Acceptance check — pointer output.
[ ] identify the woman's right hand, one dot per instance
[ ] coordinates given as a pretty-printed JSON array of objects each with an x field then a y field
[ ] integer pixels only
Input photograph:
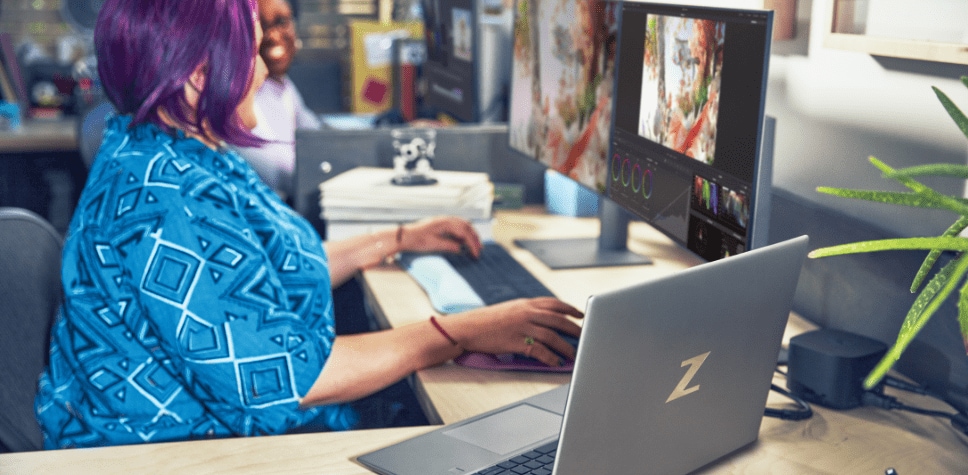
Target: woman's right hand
[{"x": 525, "y": 326}]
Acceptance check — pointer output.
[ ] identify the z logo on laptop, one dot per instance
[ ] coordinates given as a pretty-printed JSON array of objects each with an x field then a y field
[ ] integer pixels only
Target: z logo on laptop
[{"x": 681, "y": 390}]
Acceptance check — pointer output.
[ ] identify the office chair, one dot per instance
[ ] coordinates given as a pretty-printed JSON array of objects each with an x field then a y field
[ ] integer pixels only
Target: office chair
[
  {"x": 30, "y": 292},
  {"x": 90, "y": 130}
]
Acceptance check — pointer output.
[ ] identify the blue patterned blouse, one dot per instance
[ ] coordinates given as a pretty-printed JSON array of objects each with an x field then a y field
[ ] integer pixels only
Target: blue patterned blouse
[{"x": 197, "y": 304}]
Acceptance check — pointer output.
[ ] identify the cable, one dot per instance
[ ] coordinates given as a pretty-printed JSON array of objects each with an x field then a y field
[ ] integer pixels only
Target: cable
[
  {"x": 958, "y": 419},
  {"x": 905, "y": 386},
  {"x": 804, "y": 412}
]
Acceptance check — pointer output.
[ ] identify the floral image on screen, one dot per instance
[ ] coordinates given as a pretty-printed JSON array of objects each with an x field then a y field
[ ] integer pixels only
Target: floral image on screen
[
  {"x": 681, "y": 77},
  {"x": 561, "y": 94}
]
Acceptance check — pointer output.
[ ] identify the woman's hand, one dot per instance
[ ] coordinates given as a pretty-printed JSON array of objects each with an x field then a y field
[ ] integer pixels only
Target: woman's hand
[
  {"x": 525, "y": 326},
  {"x": 443, "y": 233},
  {"x": 364, "y": 363}
]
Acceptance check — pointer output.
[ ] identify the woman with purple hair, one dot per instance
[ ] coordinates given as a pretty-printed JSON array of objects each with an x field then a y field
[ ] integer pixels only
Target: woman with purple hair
[{"x": 196, "y": 303}]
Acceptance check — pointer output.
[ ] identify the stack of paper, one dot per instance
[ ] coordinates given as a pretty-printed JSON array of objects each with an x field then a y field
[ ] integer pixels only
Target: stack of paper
[{"x": 364, "y": 199}]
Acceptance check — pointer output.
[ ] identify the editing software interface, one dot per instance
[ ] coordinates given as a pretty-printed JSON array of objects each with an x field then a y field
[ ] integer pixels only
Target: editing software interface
[
  {"x": 688, "y": 121},
  {"x": 561, "y": 85}
]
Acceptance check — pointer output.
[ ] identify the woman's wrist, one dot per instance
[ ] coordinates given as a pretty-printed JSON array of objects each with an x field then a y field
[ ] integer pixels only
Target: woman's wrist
[{"x": 399, "y": 238}]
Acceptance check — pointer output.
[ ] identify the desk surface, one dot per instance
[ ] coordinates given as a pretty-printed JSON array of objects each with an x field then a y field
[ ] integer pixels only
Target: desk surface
[
  {"x": 58, "y": 135},
  {"x": 863, "y": 440}
]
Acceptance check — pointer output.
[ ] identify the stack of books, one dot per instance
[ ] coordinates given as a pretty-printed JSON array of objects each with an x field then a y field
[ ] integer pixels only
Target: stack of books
[{"x": 364, "y": 200}]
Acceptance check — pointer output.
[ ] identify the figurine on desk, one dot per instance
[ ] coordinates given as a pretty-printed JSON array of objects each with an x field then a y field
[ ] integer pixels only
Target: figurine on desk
[{"x": 413, "y": 162}]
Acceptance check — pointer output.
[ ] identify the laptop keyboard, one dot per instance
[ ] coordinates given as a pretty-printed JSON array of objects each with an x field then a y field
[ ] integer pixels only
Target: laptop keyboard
[
  {"x": 496, "y": 276},
  {"x": 539, "y": 461}
]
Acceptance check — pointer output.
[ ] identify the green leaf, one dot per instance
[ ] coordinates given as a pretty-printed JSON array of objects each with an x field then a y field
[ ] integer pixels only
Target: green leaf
[
  {"x": 894, "y": 244},
  {"x": 925, "y": 305},
  {"x": 963, "y": 314},
  {"x": 935, "y": 169},
  {"x": 953, "y": 110},
  {"x": 905, "y": 180},
  {"x": 954, "y": 230},
  {"x": 889, "y": 197},
  {"x": 945, "y": 202}
]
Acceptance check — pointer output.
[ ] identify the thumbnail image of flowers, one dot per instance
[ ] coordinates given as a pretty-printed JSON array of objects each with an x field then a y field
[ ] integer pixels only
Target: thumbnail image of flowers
[{"x": 681, "y": 77}]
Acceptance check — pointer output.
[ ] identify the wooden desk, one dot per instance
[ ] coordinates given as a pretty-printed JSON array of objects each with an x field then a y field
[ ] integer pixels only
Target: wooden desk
[
  {"x": 41, "y": 136},
  {"x": 453, "y": 393},
  {"x": 862, "y": 441}
]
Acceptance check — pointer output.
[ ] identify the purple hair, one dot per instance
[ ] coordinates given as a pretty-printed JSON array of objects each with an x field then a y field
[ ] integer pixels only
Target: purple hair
[{"x": 148, "y": 49}]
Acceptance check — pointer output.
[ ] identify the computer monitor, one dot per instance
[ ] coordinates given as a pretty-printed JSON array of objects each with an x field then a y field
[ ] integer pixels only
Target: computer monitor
[
  {"x": 466, "y": 69},
  {"x": 696, "y": 171},
  {"x": 560, "y": 111},
  {"x": 450, "y": 68},
  {"x": 687, "y": 137}
]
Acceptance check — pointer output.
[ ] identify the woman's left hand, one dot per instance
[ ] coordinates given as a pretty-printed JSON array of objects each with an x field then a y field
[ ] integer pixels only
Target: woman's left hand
[{"x": 441, "y": 234}]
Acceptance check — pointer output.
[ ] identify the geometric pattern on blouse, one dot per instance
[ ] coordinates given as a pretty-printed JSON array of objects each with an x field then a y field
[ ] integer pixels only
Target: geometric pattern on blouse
[{"x": 197, "y": 304}]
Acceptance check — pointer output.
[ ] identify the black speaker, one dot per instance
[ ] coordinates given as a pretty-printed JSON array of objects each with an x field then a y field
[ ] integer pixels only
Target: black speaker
[{"x": 828, "y": 367}]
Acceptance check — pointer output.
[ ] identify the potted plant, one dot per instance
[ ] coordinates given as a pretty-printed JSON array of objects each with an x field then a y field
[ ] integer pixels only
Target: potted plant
[{"x": 945, "y": 279}]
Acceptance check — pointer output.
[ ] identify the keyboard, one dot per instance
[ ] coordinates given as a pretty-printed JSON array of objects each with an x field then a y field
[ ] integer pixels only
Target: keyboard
[
  {"x": 539, "y": 461},
  {"x": 496, "y": 276},
  {"x": 458, "y": 282}
]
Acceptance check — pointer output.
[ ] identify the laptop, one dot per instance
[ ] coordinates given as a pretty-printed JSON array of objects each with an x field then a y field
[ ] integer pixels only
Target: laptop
[{"x": 671, "y": 374}]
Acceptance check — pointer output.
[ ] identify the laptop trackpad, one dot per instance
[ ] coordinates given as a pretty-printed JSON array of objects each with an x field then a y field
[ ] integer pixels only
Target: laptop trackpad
[{"x": 509, "y": 430}]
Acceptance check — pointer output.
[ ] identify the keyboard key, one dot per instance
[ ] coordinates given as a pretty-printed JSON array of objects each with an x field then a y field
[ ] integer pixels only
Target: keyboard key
[
  {"x": 533, "y": 464},
  {"x": 548, "y": 448},
  {"x": 532, "y": 454}
]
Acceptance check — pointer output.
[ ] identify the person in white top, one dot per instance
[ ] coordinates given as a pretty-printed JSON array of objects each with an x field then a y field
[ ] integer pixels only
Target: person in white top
[{"x": 279, "y": 107}]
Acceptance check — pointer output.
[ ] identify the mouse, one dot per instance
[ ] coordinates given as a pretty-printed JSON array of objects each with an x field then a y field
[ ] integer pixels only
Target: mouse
[{"x": 572, "y": 340}]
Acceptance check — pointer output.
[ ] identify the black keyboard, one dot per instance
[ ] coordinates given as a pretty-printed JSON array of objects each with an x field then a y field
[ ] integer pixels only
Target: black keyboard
[
  {"x": 496, "y": 276},
  {"x": 539, "y": 461}
]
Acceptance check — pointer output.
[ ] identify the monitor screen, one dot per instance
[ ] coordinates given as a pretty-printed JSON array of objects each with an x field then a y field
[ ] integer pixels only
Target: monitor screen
[
  {"x": 688, "y": 124},
  {"x": 450, "y": 72},
  {"x": 658, "y": 108},
  {"x": 561, "y": 87}
]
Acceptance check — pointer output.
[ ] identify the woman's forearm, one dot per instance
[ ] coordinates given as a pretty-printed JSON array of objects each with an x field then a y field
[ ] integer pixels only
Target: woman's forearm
[
  {"x": 349, "y": 256},
  {"x": 362, "y": 364}
]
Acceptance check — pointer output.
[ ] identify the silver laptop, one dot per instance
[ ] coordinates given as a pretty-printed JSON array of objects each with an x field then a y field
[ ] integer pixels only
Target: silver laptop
[{"x": 671, "y": 374}]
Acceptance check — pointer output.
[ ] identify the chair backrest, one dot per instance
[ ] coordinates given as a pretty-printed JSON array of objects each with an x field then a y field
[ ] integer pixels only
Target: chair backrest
[{"x": 30, "y": 293}]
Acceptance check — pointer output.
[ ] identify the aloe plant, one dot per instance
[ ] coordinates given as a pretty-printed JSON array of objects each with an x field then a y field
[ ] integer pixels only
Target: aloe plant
[{"x": 947, "y": 278}]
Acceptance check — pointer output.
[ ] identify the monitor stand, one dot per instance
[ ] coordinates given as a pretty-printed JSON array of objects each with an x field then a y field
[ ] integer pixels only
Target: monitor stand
[{"x": 609, "y": 249}]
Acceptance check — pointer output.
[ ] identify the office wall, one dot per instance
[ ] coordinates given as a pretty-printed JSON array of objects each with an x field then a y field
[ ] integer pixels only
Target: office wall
[{"x": 834, "y": 109}]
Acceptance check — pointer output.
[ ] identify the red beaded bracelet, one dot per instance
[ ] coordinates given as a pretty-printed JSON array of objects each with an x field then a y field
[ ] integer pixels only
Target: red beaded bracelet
[{"x": 439, "y": 328}]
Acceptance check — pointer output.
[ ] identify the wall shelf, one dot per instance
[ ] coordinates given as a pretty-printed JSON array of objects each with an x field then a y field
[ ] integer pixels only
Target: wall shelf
[{"x": 865, "y": 25}]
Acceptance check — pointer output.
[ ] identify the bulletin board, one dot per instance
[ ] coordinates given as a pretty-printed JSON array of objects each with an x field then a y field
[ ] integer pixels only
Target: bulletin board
[{"x": 371, "y": 46}]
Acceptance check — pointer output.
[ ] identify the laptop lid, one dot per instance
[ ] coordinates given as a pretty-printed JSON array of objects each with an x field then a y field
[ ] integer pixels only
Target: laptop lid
[
  {"x": 674, "y": 373},
  {"x": 671, "y": 374}
]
